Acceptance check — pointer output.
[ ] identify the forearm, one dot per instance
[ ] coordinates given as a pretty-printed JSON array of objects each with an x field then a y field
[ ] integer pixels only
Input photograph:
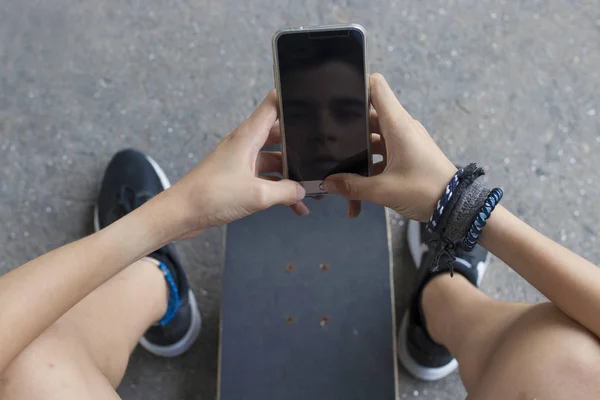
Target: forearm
[
  {"x": 568, "y": 280},
  {"x": 35, "y": 295}
]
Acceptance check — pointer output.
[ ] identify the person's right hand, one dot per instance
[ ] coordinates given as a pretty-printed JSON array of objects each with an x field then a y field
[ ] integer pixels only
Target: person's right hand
[{"x": 414, "y": 172}]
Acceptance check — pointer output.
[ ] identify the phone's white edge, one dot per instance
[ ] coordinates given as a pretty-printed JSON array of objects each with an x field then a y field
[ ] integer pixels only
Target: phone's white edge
[
  {"x": 313, "y": 187},
  {"x": 276, "y": 79}
]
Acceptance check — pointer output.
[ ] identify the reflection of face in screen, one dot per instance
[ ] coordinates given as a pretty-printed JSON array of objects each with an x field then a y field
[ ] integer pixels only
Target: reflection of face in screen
[{"x": 324, "y": 112}]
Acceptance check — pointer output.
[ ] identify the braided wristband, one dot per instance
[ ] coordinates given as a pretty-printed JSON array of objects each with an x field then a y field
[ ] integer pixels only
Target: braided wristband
[
  {"x": 443, "y": 201},
  {"x": 470, "y": 240},
  {"x": 173, "y": 303}
]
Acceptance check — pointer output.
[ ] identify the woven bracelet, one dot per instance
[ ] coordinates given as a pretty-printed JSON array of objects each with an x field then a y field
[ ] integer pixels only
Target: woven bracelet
[
  {"x": 443, "y": 201},
  {"x": 470, "y": 240}
]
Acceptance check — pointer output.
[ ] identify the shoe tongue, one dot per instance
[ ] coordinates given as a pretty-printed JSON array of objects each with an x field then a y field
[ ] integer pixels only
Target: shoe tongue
[
  {"x": 460, "y": 264},
  {"x": 128, "y": 200},
  {"x": 466, "y": 269}
]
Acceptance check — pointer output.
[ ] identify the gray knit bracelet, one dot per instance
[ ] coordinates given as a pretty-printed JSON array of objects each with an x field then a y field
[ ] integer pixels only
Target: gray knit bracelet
[
  {"x": 470, "y": 173},
  {"x": 458, "y": 216},
  {"x": 464, "y": 212}
]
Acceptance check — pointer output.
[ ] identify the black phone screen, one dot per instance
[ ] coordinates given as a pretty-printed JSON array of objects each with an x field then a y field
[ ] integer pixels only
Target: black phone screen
[{"x": 323, "y": 97}]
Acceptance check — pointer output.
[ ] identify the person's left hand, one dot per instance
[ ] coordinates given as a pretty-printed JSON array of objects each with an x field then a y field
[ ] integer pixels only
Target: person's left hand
[{"x": 228, "y": 185}]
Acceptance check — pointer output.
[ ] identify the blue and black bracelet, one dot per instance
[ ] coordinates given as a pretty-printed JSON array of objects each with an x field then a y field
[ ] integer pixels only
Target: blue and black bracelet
[
  {"x": 173, "y": 304},
  {"x": 174, "y": 299},
  {"x": 460, "y": 214},
  {"x": 443, "y": 201},
  {"x": 470, "y": 239}
]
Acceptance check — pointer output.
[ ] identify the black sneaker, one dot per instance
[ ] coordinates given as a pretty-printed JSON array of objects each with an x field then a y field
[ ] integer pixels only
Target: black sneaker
[
  {"x": 132, "y": 178},
  {"x": 418, "y": 353}
]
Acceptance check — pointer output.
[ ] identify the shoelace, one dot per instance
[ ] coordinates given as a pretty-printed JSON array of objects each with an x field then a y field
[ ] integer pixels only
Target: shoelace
[
  {"x": 128, "y": 200},
  {"x": 442, "y": 248}
]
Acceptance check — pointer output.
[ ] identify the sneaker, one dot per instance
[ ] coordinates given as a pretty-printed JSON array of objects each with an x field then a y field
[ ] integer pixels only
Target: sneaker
[
  {"x": 131, "y": 179},
  {"x": 418, "y": 353}
]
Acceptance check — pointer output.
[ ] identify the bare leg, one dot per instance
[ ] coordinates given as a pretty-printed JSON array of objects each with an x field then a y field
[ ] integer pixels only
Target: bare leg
[
  {"x": 85, "y": 353},
  {"x": 509, "y": 350}
]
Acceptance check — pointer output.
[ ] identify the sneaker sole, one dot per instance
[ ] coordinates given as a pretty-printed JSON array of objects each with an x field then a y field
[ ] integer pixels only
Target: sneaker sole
[
  {"x": 416, "y": 370},
  {"x": 188, "y": 340},
  {"x": 413, "y": 237},
  {"x": 164, "y": 180}
]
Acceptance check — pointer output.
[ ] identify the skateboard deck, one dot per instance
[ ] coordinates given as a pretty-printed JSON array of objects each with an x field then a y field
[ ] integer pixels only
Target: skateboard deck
[{"x": 307, "y": 306}]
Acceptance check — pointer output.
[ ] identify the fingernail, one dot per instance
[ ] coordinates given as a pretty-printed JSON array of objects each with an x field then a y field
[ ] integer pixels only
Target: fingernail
[
  {"x": 301, "y": 192},
  {"x": 352, "y": 214}
]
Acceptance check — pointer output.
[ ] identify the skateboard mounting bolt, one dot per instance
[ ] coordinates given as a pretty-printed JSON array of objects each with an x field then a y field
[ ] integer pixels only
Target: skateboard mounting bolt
[
  {"x": 289, "y": 319},
  {"x": 323, "y": 267},
  {"x": 289, "y": 267},
  {"x": 324, "y": 321}
]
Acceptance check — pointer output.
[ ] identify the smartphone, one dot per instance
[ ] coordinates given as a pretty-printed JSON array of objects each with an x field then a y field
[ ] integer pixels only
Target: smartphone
[{"x": 322, "y": 82}]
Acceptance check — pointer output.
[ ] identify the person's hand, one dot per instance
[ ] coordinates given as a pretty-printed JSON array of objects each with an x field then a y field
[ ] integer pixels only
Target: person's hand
[
  {"x": 227, "y": 185},
  {"x": 414, "y": 172}
]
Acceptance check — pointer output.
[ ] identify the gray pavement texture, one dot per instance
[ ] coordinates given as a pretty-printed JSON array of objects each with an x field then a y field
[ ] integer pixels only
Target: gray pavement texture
[{"x": 513, "y": 85}]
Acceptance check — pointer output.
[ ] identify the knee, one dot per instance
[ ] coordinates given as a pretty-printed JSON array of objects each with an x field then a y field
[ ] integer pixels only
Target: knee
[
  {"x": 561, "y": 342},
  {"x": 543, "y": 353},
  {"x": 54, "y": 367},
  {"x": 60, "y": 352},
  {"x": 48, "y": 351},
  {"x": 45, "y": 361}
]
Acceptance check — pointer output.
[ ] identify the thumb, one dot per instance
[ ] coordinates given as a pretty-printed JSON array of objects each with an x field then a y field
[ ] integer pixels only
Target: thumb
[
  {"x": 284, "y": 192},
  {"x": 351, "y": 186}
]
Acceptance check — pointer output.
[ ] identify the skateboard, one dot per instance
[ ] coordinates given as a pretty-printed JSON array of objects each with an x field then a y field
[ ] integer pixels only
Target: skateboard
[{"x": 307, "y": 306}]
